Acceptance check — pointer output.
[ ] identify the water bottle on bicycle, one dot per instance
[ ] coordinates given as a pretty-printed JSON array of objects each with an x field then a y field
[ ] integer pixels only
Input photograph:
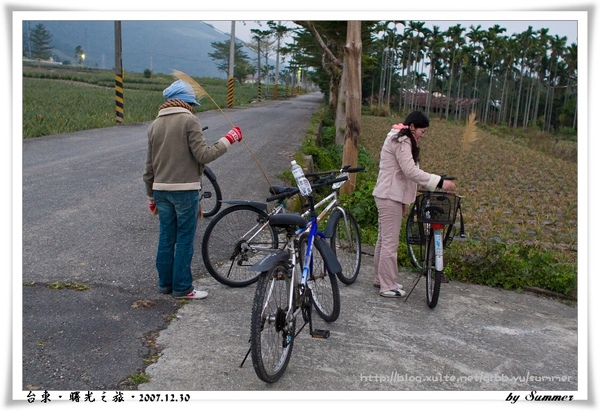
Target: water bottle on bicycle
[{"x": 301, "y": 180}]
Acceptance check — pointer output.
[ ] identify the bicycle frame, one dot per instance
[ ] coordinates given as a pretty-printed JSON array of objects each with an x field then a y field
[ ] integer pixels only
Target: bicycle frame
[
  {"x": 331, "y": 200},
  {"x": 302, "y": 281}
]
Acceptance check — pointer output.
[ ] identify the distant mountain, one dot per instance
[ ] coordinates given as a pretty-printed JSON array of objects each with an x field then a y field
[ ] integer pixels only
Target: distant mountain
[{"x": 150, "y": 44}]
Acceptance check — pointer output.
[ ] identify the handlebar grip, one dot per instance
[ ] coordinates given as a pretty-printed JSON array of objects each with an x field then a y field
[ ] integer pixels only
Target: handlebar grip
[
  {"x": 283, "y": 195},
  {"x": 329, "y": 181},
  {"x": 355, "y": 170}
]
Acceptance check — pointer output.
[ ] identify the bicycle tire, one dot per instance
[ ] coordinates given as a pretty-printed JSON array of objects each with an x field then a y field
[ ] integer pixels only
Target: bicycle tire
[
  {"x": 415, "y": 239},
  {"x": 433, "y": 278},
  {"x": 210, "y": 204},
  {"x": 345, "y": 243},
  {"x": 271, "y": 335},
  {"x": 226, "y": 252},
  {"x": 325, "y": 291}
]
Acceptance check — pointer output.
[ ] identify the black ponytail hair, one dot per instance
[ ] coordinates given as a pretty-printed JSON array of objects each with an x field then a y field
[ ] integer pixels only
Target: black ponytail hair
[{"x": 419, "y": 120}]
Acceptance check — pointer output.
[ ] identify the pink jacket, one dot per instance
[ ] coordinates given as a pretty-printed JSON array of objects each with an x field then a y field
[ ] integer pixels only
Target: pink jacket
[{"x": 399, "y": 175}]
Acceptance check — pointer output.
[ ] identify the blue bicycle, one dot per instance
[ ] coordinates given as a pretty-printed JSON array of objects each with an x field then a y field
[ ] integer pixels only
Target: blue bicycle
[{"x": 292, "y": 280}]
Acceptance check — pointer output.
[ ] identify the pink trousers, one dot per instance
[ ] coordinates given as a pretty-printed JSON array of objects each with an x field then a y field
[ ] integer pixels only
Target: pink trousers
[{"x": 386, "y": 249}]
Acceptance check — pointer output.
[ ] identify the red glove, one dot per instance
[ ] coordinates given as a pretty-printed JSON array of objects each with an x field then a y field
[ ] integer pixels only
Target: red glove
[
  {"x": 152, "y": 206},
  {"x": 235, "y": 134}
]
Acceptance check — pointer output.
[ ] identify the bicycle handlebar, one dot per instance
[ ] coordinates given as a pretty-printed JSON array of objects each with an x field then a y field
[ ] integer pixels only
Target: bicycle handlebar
[
  {"x": 295, "y": 190},
  {"x": 285, "y": 194},
  {"x": 345, "y": 169}
]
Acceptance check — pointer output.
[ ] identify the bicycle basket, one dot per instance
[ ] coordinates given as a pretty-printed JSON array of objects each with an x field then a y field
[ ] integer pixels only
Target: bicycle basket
[{"x": 436, "y": 207}]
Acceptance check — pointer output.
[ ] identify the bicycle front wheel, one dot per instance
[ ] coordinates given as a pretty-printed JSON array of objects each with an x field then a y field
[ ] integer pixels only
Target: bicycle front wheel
[
  {"x": 210, "y": 196},
  {"x": 415, "y": 239},
  {"x": 325, "y": 291},
  {"x": 345, "y": 243},
  {"x": 271, "y": 334},
  {"x": 433, "y": 278},
  {"x": 236, "y": 239}
]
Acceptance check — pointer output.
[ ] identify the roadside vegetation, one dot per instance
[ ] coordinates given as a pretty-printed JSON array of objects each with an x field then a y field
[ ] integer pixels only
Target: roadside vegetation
[{"x": 519, "y": 185}]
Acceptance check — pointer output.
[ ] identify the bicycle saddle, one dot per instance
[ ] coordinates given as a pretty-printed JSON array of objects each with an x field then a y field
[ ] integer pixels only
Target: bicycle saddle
[{"x": 287, "y": 219}]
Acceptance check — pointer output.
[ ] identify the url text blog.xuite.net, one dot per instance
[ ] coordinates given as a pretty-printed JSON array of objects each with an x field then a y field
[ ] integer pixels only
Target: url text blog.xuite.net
[{"x": 395, "y": 377}]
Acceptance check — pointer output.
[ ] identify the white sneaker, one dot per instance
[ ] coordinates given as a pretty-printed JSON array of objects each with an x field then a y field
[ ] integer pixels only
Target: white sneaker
[
  {"x": 393, "y": 293},
  {"x": 195, "y": 295},
  {"x": 400, "y": 286}
]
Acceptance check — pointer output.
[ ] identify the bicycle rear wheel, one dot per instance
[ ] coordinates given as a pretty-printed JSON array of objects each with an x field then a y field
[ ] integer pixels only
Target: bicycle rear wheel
[
  {"x": 415, "y": 239},
  {"x": 325, "y": 291},
  {"x": 433, "y": 278},
  {"x": 210, "y": 195},
  {"x": 271, "y": 334},
  {"x": 345, "y": 243},
  {"x": 236, "y": 239}
]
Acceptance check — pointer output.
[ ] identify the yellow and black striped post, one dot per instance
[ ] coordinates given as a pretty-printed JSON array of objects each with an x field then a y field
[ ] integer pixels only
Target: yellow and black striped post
[
  {"x": 119, "y": 97},
  {"x": 259, "y": 91},
  {"x": 276, "y": 92},
  {"x": 230, "y": 92}
]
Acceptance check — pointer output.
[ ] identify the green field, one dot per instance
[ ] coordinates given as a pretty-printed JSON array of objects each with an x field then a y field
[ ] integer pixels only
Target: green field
[{"x": 60, "y": 101}]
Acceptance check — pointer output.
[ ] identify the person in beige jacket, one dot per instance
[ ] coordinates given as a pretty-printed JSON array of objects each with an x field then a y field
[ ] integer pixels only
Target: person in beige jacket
[
  {"x": 175, "y": 159},
  {"x": 396, "y": 187}
]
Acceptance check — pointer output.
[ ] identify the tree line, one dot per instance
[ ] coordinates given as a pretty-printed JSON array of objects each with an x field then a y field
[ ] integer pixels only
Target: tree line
[{"x": 526, "y": 79}]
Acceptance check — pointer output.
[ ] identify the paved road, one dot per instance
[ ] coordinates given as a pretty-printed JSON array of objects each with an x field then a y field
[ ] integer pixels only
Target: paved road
[
  {"x": 479, "y": 342},
  {"x": 85, "y": 220}
]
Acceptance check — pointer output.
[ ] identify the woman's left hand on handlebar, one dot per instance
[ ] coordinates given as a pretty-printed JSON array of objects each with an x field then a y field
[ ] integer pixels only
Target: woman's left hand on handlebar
[{"x": 448, "y": 185}]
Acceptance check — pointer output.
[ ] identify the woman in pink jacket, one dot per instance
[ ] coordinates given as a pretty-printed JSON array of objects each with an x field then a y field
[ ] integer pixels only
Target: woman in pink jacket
[{"x": 396, "y": 187}]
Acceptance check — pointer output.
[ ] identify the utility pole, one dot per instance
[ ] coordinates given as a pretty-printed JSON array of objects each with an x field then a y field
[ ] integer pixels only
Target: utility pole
[
  {"x": 231, "y": 66},
  {"x": 259, "y": 87},
  {"x": 118, "y": 73},
  {"x": 276, "y": 87}
]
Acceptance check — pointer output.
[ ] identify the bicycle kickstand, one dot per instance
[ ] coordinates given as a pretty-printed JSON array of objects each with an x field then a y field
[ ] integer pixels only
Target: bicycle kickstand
[
  {"x": 412, "y": 289},
  {"x": 247, "y": 354}
]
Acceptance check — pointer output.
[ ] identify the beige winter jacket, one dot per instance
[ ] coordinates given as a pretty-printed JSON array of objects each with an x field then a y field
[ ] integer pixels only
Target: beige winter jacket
[
  {"x": 177, "y": 151},
  {"x": 399, "y": 175}
]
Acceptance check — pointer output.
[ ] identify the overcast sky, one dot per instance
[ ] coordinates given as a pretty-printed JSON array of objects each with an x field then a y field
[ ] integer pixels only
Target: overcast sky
[{"x": 561, "y": 28}]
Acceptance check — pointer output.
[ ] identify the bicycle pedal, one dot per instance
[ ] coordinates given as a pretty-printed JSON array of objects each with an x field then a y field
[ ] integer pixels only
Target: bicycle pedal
[{"x": 320, "y": 334}]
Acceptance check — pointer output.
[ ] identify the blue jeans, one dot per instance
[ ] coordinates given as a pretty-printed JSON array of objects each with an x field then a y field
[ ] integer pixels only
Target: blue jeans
[{"x": 178, "y": 217}]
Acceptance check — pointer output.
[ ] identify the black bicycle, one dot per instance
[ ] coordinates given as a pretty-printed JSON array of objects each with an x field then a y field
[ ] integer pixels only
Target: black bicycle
[
  {"x": 210, "y": 192},
  {"x": 211, "y": 197},
  {"x": 415, "y": 233},
  {"x": 431, "y": 227}
]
